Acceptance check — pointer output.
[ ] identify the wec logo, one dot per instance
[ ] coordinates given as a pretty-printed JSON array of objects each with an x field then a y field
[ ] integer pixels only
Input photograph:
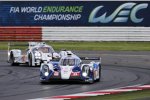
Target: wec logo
[{"x": 121, "y": 14}]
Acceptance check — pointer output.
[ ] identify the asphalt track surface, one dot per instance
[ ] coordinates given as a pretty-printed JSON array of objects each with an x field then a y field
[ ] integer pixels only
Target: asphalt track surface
[{"x": 119, "y": 69}]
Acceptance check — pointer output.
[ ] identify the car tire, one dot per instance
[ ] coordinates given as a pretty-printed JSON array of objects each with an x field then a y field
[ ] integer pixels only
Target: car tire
[
  {"x": 30, "y": 60},
  {"x": 12, "y": 60}
]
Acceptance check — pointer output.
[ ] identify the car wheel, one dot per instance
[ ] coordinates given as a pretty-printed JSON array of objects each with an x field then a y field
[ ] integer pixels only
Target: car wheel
[
  {"x": 12, "y": 60},
  {"x": 30, "y": 60}
]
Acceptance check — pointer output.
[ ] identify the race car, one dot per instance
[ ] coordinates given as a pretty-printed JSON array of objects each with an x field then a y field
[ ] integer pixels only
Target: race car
[
  {"x": 35, "y": 54},
  {"x": 71, "y": 67}
]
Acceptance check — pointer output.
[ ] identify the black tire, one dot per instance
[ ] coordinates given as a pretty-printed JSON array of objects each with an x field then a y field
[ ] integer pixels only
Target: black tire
[
  {"x": 30, "y": 60},
  {"x": 11, "y": 60}
]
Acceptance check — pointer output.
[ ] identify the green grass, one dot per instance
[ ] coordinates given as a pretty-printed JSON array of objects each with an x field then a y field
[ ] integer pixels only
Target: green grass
[
  {"x": 108, "y": 46},
  {"x": 4, "y": 45},
  {"x": 138, "y": 95},
  {"x": 112, "y": 46}
]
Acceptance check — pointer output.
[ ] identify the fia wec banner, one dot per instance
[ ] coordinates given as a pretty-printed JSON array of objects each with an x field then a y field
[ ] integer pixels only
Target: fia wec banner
[{"x": 75, "y": 13}]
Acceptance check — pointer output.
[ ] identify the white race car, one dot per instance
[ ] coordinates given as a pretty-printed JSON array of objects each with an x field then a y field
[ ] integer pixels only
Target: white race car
[
  {"x": 36, "y": 53},
  {"x": 71, "y": 67}
]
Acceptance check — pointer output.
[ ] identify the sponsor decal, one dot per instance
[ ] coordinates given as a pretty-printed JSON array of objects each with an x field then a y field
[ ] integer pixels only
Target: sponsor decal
[
  {"x": 75, "y": 74},
  {"x": 50, "y": 12},
  {"x": 74, "y": 13},
  {"x": 56, "y": 73}
]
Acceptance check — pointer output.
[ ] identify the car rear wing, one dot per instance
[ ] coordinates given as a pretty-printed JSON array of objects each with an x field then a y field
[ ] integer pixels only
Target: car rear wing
[
  {"x": 29, "y": 44},
  {"x": 32, "y": 44},
  {"x": 15, "y": 45},
  {"x": 91, "y": 58}
]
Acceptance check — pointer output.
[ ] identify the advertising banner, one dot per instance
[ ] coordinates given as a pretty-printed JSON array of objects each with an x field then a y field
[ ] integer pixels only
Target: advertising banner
[{"x": 75, "y": 13}]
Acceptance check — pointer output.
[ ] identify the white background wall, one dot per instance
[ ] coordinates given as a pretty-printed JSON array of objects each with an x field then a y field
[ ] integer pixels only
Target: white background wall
[{"x": 96, "y": 33}]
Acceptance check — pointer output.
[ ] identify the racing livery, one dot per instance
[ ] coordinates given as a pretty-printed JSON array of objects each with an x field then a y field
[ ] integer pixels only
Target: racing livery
[
  {"x": 71, "y": 67},
  {"x": 36, "y": 53}
]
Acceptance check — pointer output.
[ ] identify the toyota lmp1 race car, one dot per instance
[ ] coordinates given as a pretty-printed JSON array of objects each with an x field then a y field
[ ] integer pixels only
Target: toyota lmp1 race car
[
  {"x": 36, "y": 53},
  {"x": 71, "y": 67}
]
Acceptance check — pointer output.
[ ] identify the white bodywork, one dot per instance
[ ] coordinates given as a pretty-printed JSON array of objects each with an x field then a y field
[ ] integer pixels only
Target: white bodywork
[
  {"x": 66, "y": 72},
  {"x": 33, "y": 55},
  {"x": 19, "y": 57}
]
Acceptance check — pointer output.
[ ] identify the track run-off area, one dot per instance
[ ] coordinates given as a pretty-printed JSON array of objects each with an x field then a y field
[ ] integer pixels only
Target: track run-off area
[{"x": 119, "y": 69}]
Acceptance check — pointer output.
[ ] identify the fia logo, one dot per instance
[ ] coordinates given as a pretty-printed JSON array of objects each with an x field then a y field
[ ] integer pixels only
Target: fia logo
[{"x": 121, "y": 14}]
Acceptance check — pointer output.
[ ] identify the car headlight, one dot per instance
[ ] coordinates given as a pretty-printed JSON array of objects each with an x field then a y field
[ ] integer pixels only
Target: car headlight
[
  {"x": 46, "y": 73},
  {"x": 45, "y": 70},
  {"x": 84, "y": 74},
  {"x": 38, "y": 55}
]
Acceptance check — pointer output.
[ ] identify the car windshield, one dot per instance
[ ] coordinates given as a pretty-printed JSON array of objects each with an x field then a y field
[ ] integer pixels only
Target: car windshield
[
  {"x": 44, "y": 49},
  {"x": 69, "y": 62}
]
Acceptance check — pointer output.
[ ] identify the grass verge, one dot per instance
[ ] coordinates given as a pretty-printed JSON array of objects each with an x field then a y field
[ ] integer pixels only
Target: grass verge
[
  {"x": 137, "y": 95},
  {"x": 108, "y": 46}
]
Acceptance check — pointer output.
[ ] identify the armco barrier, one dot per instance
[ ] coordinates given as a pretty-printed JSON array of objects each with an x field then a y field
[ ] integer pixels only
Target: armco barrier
[
  {"x": 75, "y": 33},
  {"x": 20, "y": 33},
  {"x": 96, "y": 33}
]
